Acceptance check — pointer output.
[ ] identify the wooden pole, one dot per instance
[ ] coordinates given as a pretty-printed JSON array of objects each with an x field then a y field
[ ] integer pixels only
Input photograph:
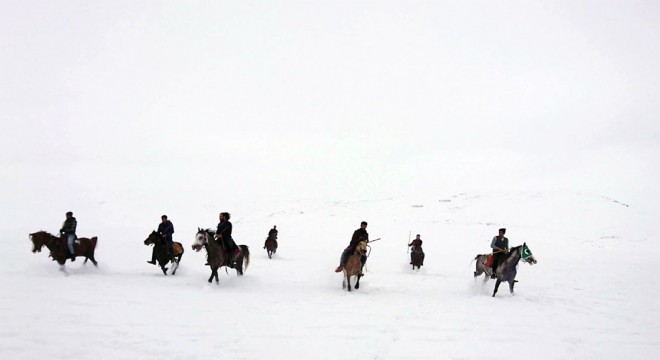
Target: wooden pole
[{"x": 408, "y": 247}]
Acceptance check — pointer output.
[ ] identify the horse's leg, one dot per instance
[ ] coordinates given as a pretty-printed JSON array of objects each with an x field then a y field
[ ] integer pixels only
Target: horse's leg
[
  {"x": 348, "y": 280},
  {"x": 239, "y": 265},
  {"x": 497, "y": 285},
  {"x": 162, "y": 267},
  {"x": 511, "y": 283},
  {"x": 175, "y": 265},
  {"x": 212, "y": 275},
  {"x": 478, "y": 270},
  {"x": 357, "y": 284}
]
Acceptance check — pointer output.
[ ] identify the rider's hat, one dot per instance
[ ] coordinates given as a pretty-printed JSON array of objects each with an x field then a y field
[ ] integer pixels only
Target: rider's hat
[{"x": 503, "y": 230}]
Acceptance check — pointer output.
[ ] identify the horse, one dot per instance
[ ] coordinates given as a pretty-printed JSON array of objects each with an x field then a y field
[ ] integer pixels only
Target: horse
[
  {"x": 271, "y": 246},
  {"x": 506, "y": 269},
  {"x": 417, "y": 258},
  {"x": 353, "y": 266},
  {"x": 217, "y": 256},
  {"x": 58, "y": 248},
  {"x": 162, "y": 253}
]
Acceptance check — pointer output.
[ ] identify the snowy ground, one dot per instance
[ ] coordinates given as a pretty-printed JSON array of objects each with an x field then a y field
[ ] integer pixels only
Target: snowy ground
[
  {"x": 591, "y": 296},
  {"x": 449, "y": 119}
]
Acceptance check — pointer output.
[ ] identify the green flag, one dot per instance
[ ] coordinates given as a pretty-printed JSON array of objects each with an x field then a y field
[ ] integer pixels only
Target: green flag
[{"x": 526, "y": 252}]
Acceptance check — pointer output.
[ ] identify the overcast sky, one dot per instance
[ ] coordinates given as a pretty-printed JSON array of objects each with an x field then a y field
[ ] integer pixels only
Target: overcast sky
[{"x": 341, "y": 97}]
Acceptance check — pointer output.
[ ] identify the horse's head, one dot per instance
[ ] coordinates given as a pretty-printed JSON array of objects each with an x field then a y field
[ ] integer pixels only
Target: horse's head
[
  {"x": 361, "y": 248},
  {"x": 41, "y": 239},
  {"x": 201, "y": 239},
  {"x": 37, "y": 241},
  {"x": 152, "y": 238},
  {"x": 526, "y": 255}
]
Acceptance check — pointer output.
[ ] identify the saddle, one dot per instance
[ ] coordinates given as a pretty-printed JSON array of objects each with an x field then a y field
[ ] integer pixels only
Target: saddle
[{"x": 489, "y": 261}]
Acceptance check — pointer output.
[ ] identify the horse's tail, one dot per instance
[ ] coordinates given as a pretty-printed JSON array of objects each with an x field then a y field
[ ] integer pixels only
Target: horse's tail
[{"x": 246, "y": 255}]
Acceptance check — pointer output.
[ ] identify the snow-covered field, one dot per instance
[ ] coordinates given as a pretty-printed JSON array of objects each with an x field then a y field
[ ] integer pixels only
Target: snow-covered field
[
  {"x": 592, "y": 295},
  {"x": 448, "y": 119}
]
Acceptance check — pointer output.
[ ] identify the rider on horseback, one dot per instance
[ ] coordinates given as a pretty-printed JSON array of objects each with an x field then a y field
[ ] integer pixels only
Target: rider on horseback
[
  {"x": 68, "y": 232},
  {"x": 358, "y": 235},
  {"x": 223, "y": 233},
  {"x": 416, "y": 247},
  {"x": 165, "y": 230},
  {"x": 500, "y": 246},
  {"x": 272, "y": 234}
]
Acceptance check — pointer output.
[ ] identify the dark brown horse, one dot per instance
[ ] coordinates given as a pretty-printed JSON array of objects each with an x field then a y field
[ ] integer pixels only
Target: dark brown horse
[
  {"x": 217, "y": 256},
  {"x": 353, "y": 266},
  {"x": 162, "y": 253},
  {"x": 417, "y": 258},
  {"x": 271, "y": 246},
  {"x": 58, "y": 249}
]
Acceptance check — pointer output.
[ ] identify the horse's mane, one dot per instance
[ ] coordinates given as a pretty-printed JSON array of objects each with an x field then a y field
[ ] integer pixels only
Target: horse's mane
[
  {"x": 42, "y": 232},
  {"x": 512, "y": 250}
]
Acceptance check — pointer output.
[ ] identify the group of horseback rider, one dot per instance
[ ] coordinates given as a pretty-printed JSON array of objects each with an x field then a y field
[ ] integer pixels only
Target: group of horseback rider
[
  {"x": 222, "y": 236},
  {"x": 499, "y": 244}
]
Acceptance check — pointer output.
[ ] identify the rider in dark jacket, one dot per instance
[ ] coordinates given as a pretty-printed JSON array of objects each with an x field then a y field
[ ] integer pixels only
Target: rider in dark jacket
[
  {"x": 500, "y": 246},
  {"x": 358, "y": 235},
  {"x": 165, "y": 230},
  {"x": 224, "y": 233},
  {"x": 416, "y": 247},
  {"x": 68, "y": 231},
  {"x": 272, "y": 234}
]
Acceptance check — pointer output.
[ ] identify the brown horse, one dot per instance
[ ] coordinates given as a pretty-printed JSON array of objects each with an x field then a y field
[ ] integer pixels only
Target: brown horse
[
  {"x": 162, "y": 253},
  {"x": 417, "y": 258},
  {"x": 271, "y": 246},
  {"x": 217, "y": 256},
  {"x": 353, "y": 266},
  {"x": 58, "y": 250}
]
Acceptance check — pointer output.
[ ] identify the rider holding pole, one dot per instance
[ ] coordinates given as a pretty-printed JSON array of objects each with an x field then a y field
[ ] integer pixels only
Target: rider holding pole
[{"x": 416, "y": 247}]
